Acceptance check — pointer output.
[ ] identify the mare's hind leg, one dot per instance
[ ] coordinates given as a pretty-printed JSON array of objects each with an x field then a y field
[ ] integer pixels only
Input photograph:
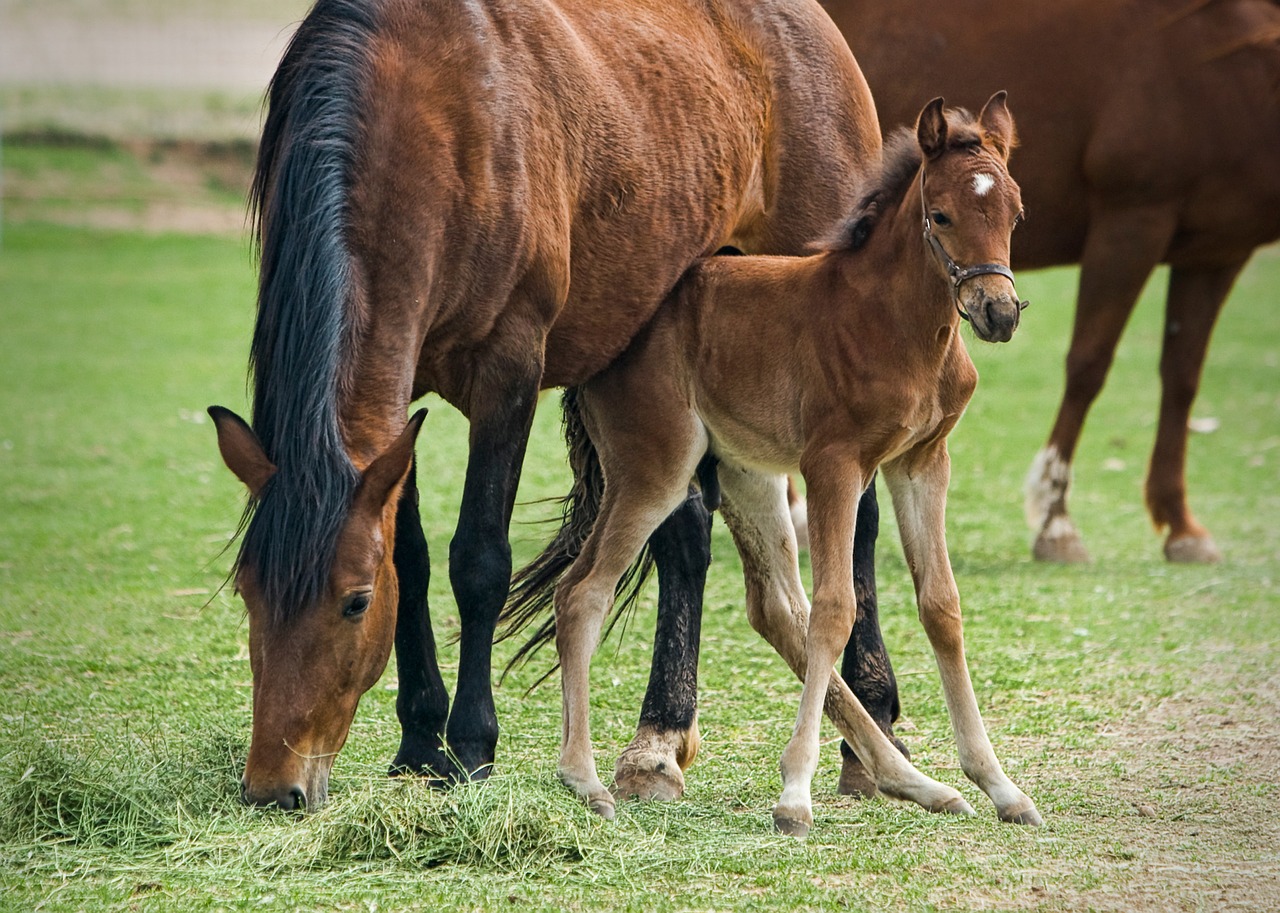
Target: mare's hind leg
[
  {"x": 755, "y": 510},
  {"x": 422, "y": 703},
  {"x": 666, "y": 741},
  {"x": 919, "y": 500},
  {"x": 1194, "y": 302},
  {"x": 1121, "y": 250},
  {"x": 480, "y": 553},
  {"x": 866, "y": 668}
]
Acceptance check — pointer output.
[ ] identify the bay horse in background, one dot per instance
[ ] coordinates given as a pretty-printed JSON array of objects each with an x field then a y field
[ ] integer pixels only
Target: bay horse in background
[
  {"x": 1150, "y": 134},
  {"x": 862, "y": 368},
  {"x": 484, "y": 199}
]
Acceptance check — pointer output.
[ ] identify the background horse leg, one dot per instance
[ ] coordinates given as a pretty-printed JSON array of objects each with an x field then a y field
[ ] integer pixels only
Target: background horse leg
[
  {"x": 866, "y": 668},
  {"x": 1195, "y": 300},
  {"x": 666, "y": 740},
  {"x": 422, "y": 703},
  {"x": 1121, "y": 250},
  {"x": 480, "y": 559}
]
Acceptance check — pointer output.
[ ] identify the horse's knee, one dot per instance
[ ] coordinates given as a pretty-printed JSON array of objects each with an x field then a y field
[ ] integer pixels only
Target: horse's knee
[{"x": 480, "y": 574}]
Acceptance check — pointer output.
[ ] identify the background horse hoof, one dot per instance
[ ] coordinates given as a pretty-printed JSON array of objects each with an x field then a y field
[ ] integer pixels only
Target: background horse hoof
[
  {"x": 1192, "y": 550},
  {"x": 648, "y": 778},
  {"x": 1060, "y": 546},
  {"x": 954, "y": 806},
  {"x": 793, "y": 822},
  {"x": 604, "y": 806}
]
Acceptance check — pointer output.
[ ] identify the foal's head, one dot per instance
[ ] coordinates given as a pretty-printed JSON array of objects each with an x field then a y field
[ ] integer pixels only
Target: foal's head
[
  {"x": 970, "y": 206},
  {"x": 322, "y": 609}
]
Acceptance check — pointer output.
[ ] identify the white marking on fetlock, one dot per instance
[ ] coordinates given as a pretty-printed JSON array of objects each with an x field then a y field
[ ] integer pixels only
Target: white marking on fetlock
[
  {"x": 982, "y": 184},
  {"x": 1046, "y": 487}
]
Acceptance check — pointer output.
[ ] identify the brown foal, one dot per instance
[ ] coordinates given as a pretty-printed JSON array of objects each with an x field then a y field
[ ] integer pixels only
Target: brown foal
[{"x": 863, "y": 368}]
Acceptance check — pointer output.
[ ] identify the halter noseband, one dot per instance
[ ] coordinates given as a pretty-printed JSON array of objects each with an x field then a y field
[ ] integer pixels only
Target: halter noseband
[{"x": 956, "y": 273}]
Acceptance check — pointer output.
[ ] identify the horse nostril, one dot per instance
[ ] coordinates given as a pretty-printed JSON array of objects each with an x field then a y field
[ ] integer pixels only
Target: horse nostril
[
  {"x": 295, "y": 801},
  {"x": 244, "y": 793}
]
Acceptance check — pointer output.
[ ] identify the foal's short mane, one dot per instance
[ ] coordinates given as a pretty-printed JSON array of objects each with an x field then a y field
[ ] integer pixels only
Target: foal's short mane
[
  {"x": 303, "y": 337},
  {"x": 899, "y": 165}
]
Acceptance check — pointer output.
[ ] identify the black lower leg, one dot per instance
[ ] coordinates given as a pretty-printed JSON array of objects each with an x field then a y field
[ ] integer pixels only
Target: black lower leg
[
  {"x": 422, "y": 703},
  {"x": 866, "y": 667},
  {"x": 681, "y": 549}
]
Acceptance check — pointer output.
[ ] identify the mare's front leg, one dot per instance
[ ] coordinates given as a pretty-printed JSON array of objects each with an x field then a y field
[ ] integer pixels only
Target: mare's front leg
[
  {"x": 918, "y": 482},
  {"x": 422, "y": 703},
  {"x": 480, "y": 554},
  {"x": 1195, "y": 298},
  {"x": 866, "y": 668},
  {"x": 666, "y": 740}
]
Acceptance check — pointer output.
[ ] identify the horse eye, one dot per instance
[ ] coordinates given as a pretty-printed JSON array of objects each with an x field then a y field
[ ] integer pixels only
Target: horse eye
[
  {"x": 355, "y": 605},
  {"x": 940, "y": 219}
]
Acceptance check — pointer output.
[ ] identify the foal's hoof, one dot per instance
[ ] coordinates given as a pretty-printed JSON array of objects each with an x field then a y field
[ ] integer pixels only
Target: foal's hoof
[
  {"x": 1192, "y": 550},
  {"x": 1060, "y": 546},
  {"x": 603, "y": 806},
  {"x": 954, "y": 806},
  {"x": 792, "y": 822},
  {"x": 648, "y": 778},
  {"x": 1028, "y": 816}
]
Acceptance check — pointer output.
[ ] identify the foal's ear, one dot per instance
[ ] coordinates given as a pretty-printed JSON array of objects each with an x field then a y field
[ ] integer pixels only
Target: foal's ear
[
  {"x": 383, "y": 474},
  {"x": 997, "y": 123},
  {"x": 241, "y": 450},
  {"x": 931, "y": 130}
]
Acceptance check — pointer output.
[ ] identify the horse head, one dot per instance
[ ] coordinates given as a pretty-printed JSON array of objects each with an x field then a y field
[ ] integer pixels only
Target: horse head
[
  {"x": 313, "y": 660},
  {"x": 970, "y": 207}
]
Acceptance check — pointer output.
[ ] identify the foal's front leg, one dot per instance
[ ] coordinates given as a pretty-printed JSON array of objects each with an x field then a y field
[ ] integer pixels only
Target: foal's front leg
[
  {"x": 834, "y": 485},
  {"x": 918, "y": 482}
]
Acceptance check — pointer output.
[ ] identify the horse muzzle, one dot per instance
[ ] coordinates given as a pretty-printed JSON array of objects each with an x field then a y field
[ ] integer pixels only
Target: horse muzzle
[{"x": 993, "y": 317}]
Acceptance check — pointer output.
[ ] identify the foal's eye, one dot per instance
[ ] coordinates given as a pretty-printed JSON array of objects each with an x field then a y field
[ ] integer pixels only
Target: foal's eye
[
  {"x": 940, "y": 219},
  {"x": 355, "y": 605}
]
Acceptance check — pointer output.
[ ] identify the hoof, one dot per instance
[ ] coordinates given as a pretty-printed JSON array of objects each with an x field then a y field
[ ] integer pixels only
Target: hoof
[
  {"x": 650, "y": 778},
  {"x": 434, "y": 767},
  {"x": 1028, "y": 816},
  {"x": 954, "y": 806},
  {"x": 603, "y": 806},
  {"x": 855, "y": 780},
  {"x": 1063, "y": 548},
  {"x": 1192, "y": 550},
  {"x": 792, "y": 823}
]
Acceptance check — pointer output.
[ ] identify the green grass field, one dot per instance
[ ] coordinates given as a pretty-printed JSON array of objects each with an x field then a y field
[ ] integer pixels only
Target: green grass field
[{"x": 1135, "y": 701}]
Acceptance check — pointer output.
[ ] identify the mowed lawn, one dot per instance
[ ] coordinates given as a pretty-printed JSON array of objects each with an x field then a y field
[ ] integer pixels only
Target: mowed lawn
[{"x": 1135, "y": 701}]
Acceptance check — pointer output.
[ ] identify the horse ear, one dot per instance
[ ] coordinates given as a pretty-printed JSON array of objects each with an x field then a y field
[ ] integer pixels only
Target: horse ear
[
  {"x": 931, "y": 130},
  {"x": 383, "y": 474},
  {"x": 241, "y": 450},
  {"x": 997, "y": 122}
]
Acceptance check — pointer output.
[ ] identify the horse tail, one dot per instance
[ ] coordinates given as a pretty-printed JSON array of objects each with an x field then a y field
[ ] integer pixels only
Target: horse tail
[
  {"x": 533, "y": 586},
  {"x": 306, "y": 329}
]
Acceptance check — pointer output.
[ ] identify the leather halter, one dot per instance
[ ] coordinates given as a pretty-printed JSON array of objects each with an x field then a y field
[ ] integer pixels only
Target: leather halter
[{"x": 956, "y": 273}]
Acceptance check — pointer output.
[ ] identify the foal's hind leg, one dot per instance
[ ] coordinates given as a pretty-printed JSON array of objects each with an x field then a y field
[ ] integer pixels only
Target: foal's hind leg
[
  {"x": 866, "y": 668},
  {"x": 1121, "y": 250},
  {"x": 919, "y": 500},
  {"x": 666, "y": 741},
  {"x": 1195, "y": 299},
  {"x": 422, "y": 703},
  {"x": 755, "y": 510}
]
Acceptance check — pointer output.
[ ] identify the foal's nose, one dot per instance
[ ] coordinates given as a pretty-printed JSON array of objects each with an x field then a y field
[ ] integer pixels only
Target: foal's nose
[{"x": 1001, "y": 314}]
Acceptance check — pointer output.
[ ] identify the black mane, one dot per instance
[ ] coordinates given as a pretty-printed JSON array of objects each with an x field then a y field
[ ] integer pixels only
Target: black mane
[{"x": 303, "y": 334}]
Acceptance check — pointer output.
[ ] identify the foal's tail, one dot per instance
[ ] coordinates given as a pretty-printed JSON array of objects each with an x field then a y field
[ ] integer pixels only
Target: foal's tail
[{"x": 533, "y": 586}]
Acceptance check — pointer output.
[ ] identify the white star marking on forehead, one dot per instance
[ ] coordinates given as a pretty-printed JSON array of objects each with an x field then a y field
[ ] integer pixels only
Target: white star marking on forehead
[{"x": 982, "y": 183}]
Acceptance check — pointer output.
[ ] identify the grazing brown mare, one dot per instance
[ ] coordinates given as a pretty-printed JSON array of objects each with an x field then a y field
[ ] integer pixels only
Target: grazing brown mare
[
  {"x": 1150, "y": 134},
  {"x": 863, "y": 368},
  {"x": 483, "y": 198}
]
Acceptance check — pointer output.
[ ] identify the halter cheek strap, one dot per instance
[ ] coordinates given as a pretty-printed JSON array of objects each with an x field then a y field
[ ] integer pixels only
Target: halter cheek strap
[{"x": 956, "y": 273}]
